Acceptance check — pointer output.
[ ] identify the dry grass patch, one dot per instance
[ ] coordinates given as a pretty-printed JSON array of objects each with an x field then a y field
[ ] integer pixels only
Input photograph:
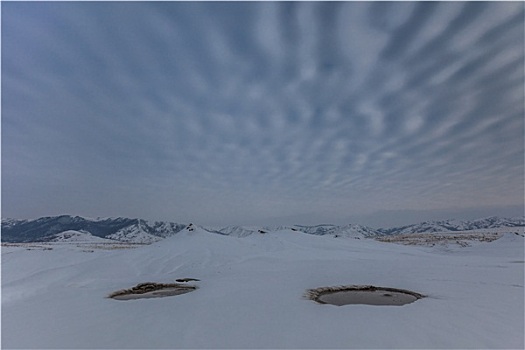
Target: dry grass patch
[{"x": 462, "y": 239}]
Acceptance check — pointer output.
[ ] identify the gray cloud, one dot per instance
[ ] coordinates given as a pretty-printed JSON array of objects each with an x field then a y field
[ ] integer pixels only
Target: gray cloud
[{"x": 237, "y": 112}]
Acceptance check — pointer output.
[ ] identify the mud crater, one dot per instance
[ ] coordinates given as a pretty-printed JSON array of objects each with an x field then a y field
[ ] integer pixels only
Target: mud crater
[
  {"x": 366, "y": 295},
  {"x": 152, "y": 290}
]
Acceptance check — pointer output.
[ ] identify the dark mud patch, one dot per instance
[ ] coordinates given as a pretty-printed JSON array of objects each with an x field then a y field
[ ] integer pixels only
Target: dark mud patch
[
  {"x": 187, "y": 279},
  {"x": 365, "y": 295},
  {"x": 152, "y": 290}
]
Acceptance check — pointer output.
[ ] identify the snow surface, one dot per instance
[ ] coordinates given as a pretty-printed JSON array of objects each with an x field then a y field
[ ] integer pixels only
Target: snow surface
[{"x": 251, "y": 294}]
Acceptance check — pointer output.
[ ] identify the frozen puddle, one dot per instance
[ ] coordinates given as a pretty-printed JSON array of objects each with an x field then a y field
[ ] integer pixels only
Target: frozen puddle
[
  {"x": 367, "y": 295},
  {"x": 376, "y": 297},
  {"x": 152, "y": 290}
]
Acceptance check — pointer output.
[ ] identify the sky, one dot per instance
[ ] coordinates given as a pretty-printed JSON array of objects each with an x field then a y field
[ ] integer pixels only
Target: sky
[{"x": 252, "y": 113}]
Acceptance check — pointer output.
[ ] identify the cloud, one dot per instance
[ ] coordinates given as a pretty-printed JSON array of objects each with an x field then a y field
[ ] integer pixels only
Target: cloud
[{"x": 226, "y": 110}]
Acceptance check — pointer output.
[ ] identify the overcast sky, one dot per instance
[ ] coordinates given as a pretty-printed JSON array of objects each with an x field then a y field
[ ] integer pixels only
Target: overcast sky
[{"x": 263, "y": 113}]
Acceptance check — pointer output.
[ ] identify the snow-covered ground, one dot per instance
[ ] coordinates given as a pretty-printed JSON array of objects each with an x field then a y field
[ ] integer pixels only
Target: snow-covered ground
[{"x": 251, "y": 294}]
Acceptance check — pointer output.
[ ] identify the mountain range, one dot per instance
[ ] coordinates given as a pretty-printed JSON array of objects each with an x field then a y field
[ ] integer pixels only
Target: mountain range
[{"x": 67, "y": 228}]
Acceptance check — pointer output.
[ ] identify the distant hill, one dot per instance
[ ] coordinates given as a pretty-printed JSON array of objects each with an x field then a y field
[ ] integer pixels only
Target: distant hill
[{"x": 72, "y": 236}]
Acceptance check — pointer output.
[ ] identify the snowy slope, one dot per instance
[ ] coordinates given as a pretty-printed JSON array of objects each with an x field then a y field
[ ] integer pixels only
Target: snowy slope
[
  {"x": 72, "y": 236},
  {"x": 251, "y": 294}
]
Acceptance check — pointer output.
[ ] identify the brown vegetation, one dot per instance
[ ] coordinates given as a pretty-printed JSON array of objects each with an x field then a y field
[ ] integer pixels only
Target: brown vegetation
[{"x": 431, "y": 239}]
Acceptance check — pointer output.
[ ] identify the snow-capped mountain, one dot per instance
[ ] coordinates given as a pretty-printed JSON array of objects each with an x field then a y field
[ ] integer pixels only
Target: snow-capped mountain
[
  {"x": 491, "y": 222},
  {"x": 319, "y": 230},
  {"x": 146, "y": 232},
  {"x": 455, "y": 225},
  {"x": 7, "y": 223},
  {"x": 354, "y": 231},
  {"x": 423, "y": 227},
  {"x": 122, "y": 229},
  {"x": 142, "y": 231},
  {"x": 236, "y": 231},
  {"x": 134, "y": 234}
]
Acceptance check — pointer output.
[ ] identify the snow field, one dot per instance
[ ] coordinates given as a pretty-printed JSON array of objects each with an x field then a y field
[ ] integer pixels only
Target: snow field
[{"x": 251, "y": 294}]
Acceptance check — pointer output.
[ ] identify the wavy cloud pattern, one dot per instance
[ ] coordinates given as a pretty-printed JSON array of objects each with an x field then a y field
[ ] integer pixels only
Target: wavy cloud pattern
[{"x": 243, "y": 111}]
